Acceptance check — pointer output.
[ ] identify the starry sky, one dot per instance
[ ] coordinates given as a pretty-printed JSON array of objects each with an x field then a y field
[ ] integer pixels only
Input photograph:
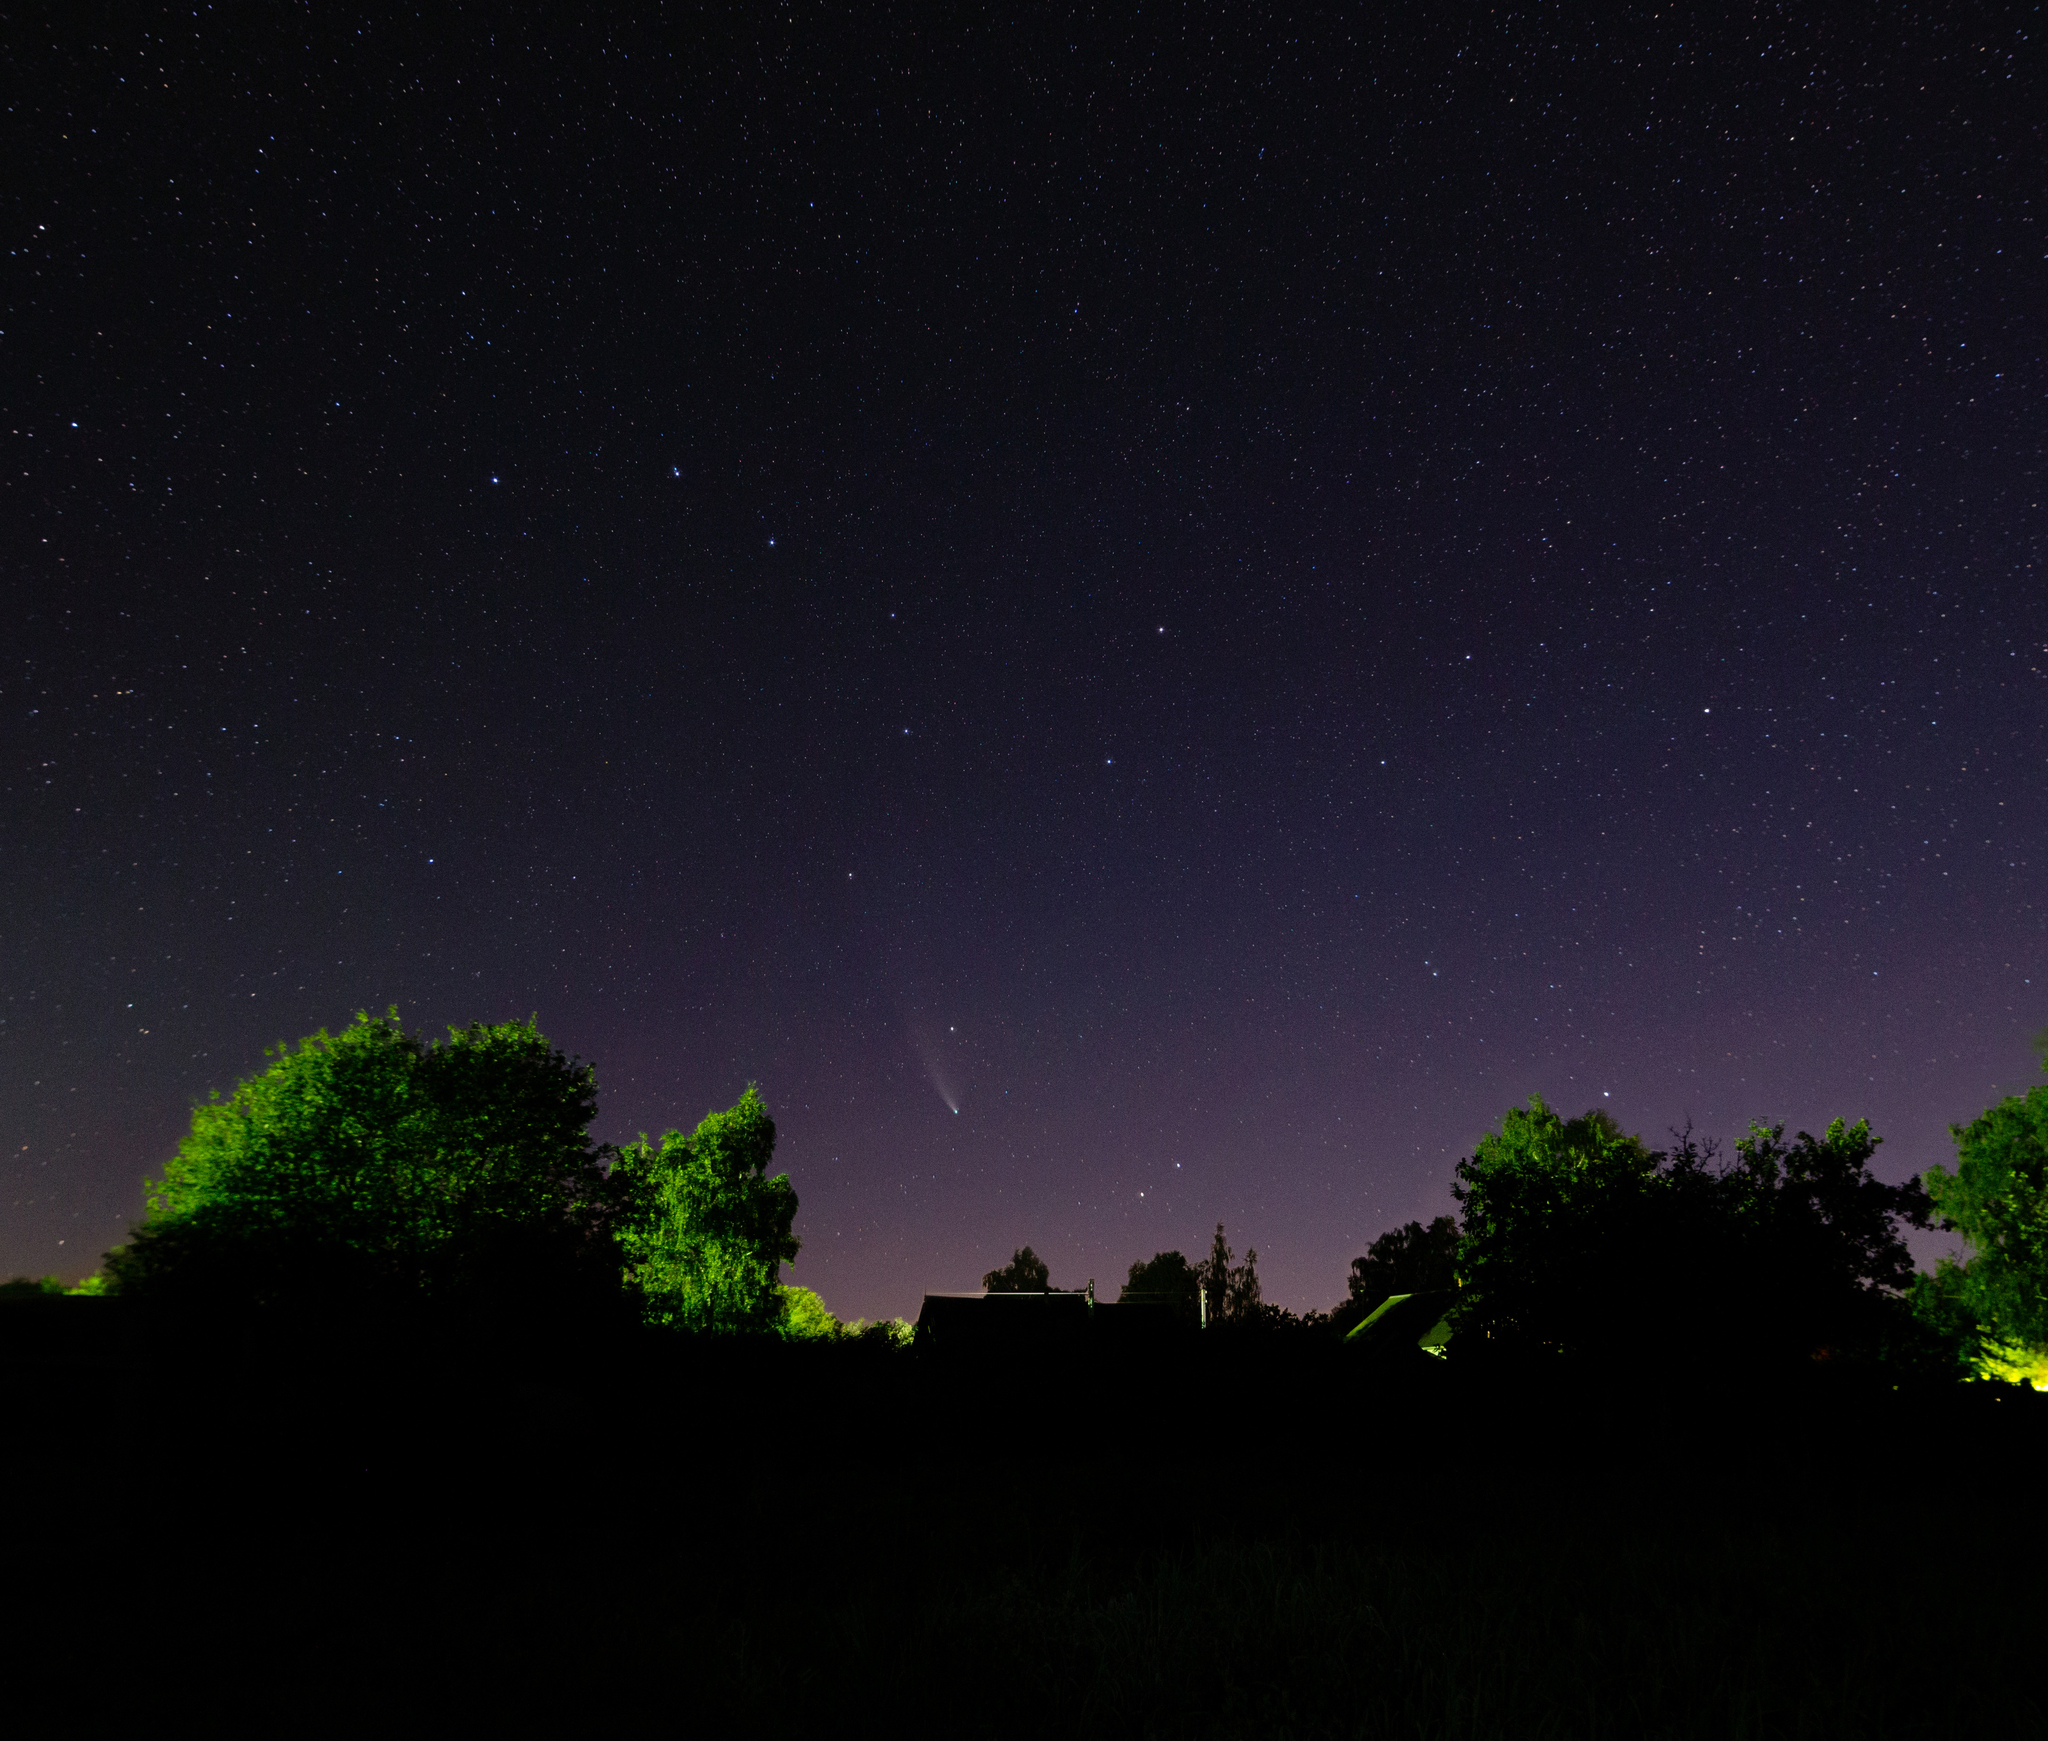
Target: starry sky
[{"x": 1145, "y": 622}]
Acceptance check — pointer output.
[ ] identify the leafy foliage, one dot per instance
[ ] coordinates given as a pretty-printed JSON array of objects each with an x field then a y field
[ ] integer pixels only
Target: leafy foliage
[
  {"x": 1407, "y": 1260},
  {"x": 32, "y": 1288},
  {"x": 897, "y": 1333},
  {"x": 376, "y": 1165},
  {"x": 1231, "y": 1289},
  {"x": 1549, "y": 1207},
  {"x": 708, "y": 1228},
  {"x": 1819, "y": 1233},
  {"x": 1025, "y": 1273},
  {"x": 1581, "y": 1237},
  {"x": 1166, "y": 1277},
  {"x": 806, "y": 1318},
  {"x": 1996, "y": 1302}
]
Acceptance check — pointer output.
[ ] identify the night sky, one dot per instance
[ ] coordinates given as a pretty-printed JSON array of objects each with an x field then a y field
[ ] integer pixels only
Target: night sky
[{"x": 1146, "y": 621}]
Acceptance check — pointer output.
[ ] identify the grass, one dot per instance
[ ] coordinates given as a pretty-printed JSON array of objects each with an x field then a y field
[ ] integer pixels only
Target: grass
[
  {"x": 1625, "y": 1633},
  {"x": 1568, "y": 1622},
  {"x": 836, "y": 1542}
]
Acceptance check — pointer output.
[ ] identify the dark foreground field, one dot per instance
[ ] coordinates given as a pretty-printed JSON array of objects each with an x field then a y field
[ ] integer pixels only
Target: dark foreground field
[{"x": 1234, "y": 1541}]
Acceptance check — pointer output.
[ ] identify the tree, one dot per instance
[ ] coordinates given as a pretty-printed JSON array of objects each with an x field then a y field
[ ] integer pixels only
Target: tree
[
  {"x": 1166, "y": 1278},
  {"x": 707, "y": 1228},
  {"x": 1409, "y": 1260},
  {"x": 1996, "y": 1301},
  {"x": 375, "y": 1166},
  {"x": 1547, "y": 1204},
  {"x": 1025, "y": 1273},
  {"x": 1822, "y": 1261},
  {"x": 1579, "y": 1237},
  {"x": 1230, "y": 1290},
  {"x": 806, "y": 1318},
  {"x": 897, "y": 1333},
  {"x": 1241, "y": 1299}
]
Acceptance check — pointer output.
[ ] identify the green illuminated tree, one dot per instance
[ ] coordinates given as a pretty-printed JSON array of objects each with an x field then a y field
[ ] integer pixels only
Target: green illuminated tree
[
  {"x": 709, "y": 1229},
  {"x": 1552, "y": 1208},
  {"x": 1025, "y": 1273},
  {"x": 376, "y": 1163},
  {"x": 1996, "y": 1301},
  {"x": 806, "y": 1318}
]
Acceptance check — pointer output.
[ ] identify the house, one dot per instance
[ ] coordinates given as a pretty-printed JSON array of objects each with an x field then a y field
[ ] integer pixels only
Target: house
[
  {"x": 1402, "y": 1323},
  {"x": 1052, "y": 1320}
]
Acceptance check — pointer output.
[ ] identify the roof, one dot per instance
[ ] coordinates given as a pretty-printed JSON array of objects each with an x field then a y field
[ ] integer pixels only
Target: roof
[
  {"x": 1051, "y": 1318},
  {"x": 1404, "y": 1321}
]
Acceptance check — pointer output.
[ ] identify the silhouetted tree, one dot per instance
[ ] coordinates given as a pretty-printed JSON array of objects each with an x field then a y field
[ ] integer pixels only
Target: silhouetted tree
[
  {"x": 1025, "y": 1273},
  {"x": 1212, "y": 1276},
  {"x": 1407, "y": 1260},
  {"x": 1580, "y": 1237},
  {"x": 1242, "y": 1299},
  {"x": 1823, "y": 1263},
  {"x": 1231, "y": 1289},
  {"x": 1166, "y": 1277},
  {"x": 709, "y": 1229}
]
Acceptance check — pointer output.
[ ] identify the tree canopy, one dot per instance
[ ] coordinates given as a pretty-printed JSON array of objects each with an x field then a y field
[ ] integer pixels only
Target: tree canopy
[
  {"x": 374, "y": 1165},
  {"x": 1580, "y": 1236},
  {"x": 1819, "y": 1233},
  {"x": 1548, "y": 1205},
  {"x": 707, "y": 1228},
  {"x": 1407, "y": 1260},
  {"x": 806, "y": 1317},
  {"x": 374, "y": 1162},
  {"x": 1229, "y": 1289},
  {"x": 1025, "y": 1273},
  {"x": 1166, "y": 1278},
  {"x": 1996, "y": 1197}
]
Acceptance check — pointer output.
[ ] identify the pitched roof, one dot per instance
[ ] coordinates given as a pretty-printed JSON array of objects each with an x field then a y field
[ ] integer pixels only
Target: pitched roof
[{"x": 1404, "y": 1321}]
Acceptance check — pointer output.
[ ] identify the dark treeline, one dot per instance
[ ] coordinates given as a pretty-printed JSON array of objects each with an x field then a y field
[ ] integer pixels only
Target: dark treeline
[
  {"x": 409, "y": 1397},
  {"x": 451, "y": 1189},
  {"x": 1580, "y": 1240}
]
